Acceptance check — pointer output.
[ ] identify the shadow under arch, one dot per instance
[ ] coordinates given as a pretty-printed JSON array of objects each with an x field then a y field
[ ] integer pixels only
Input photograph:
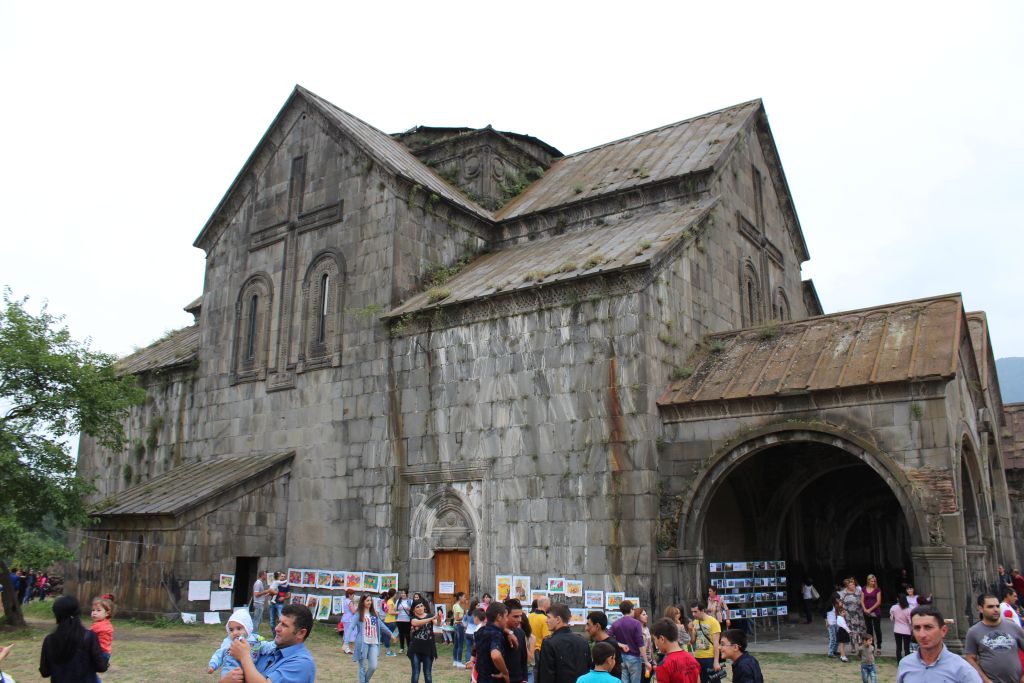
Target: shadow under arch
[{"x": 693, "y": 513}]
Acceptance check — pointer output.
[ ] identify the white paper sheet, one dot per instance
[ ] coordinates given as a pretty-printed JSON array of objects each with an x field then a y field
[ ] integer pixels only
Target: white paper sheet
[
  {"x": 220, "y": 600},
  {"x": 198, "y": 590},
  {"x": 211, "y": 618},
  {"x": 188, "y": 618},
  {"x": 446, "y": 587}
]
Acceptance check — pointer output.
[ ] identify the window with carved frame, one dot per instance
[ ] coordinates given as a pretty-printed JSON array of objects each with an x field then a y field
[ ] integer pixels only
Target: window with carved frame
[
  {"x": 750, "y": 294},
  {"x": 252, "y": 328},
  {"x": 780, "y": 308},
  {"x": 322, "y": 294}
]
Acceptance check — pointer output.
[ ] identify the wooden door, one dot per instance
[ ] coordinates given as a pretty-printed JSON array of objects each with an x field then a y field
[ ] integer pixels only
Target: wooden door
[{"x": 450, "y": 566}]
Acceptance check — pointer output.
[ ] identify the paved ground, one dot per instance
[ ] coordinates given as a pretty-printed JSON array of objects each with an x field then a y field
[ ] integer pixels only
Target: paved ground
[{"x": 799, "y": 639}]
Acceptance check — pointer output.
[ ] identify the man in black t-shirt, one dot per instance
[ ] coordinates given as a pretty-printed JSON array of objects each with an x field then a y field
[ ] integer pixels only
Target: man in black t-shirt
[
  {"x": 515, "y": 655},
  {"x": 597, "y": 630},
  {"x": 490, "y": 644}
]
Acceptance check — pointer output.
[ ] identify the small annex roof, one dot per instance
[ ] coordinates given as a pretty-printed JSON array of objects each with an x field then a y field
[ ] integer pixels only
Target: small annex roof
[
  {"x": 380, "y": 146},
  {"x": 176, "y": 348},
  {"x": 913, "y": 340},
  {"x": 631, "y": 243},
  {"x": 668, "y": 152},
  {"x": 182, "y": 488}
]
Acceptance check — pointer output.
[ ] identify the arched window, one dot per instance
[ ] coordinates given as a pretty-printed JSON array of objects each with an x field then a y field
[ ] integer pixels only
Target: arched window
[
  {"x": 252, "y": 329},
  {"x": 780, "y": 308},
  {"x": 750, "y": 294},
  {"x": 322, "y": 294}
]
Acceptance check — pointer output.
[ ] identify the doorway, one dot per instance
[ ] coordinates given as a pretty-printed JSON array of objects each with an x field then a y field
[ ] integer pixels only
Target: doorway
[
  {"x": 246, "y": 569},
  {"x": 450, "y": 566}
]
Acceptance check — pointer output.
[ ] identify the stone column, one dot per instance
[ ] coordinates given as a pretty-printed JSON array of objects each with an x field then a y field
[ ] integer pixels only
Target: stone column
[
  {"x": 933, "y": 573},
  {"x": 693, "y": 574}
]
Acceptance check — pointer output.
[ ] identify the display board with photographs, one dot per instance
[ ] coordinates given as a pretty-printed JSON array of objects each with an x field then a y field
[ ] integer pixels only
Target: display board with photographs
[
  {"x": 566, "y": 590},
  {"x": 755, "y": 590}
]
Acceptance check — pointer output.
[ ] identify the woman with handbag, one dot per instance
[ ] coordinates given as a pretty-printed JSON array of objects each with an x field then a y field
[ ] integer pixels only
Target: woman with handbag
[{"x": 810, "y": 596}]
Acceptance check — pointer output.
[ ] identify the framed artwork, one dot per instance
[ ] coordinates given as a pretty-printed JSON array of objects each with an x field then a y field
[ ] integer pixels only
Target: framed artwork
[
  {"x": 323, "y": 610},
  {"x": 371, "y": 582},
  {"x": 313, "y": 603},
  {"x": 354, "y": 580},
  {"x": 324, "y": 579},
  {"x": 308, "y": 578},
  {"x": 298, "y": 599},
  {"x": 613, "y": 616},
  {"x": 295, "y": 577},
  {"x": 593, "y": 599},
  {"x": 521, "y": 588},
  {"x": 502, "y": 586},
  {"x": 573, "y": 589},
  {"x": 556, "y": 584},
  {"x": 388, "y": 581},
  {"x": 337, "y": 579},
  {"x": 613, "y": 600},
  {"x": 227, "y": 581},
  {"x": 537, "y": 594},
  {"x": 739, "y": 566},
  {"x": 337, "y": 604},
  {"x": 578, "y": 616},
  {"x": 633, "y": 599}
]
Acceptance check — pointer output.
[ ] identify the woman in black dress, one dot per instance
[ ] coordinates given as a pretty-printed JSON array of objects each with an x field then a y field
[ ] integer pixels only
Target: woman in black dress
[{"x": 71, "y": 654}]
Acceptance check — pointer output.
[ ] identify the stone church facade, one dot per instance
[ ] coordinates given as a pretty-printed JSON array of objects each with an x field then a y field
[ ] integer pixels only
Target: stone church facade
[{"x": 603, "y": 365}]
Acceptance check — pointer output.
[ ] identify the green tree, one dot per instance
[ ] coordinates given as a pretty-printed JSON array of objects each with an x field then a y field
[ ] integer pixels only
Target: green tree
[{"x": 52, "y": 388}]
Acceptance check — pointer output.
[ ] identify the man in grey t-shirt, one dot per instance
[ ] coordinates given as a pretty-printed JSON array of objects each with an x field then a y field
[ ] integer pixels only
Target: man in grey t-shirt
[{"x": 992, "y": 644}]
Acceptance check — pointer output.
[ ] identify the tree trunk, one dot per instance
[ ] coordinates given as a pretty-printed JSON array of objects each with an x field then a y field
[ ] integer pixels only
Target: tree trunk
[{"x": 12, "y": 607}]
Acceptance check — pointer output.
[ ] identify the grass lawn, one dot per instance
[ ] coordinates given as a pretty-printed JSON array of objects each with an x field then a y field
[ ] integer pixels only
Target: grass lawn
[{"x": 178, "y": 653}]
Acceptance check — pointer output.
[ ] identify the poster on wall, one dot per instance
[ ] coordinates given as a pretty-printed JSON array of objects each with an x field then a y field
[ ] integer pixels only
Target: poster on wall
[
  {"x": 313, "y": 603},
  {"x": 635, "y": 601},
  {"x": 556, "y": 584},
  {"x": 337, "y": 604},
  {"x": 220, "y": 600},
  {"x": 593, "y": 599},
  {"x": 613, "y": 600},
  {"x": 613, "y": 616},
  {"x": 521, "y": 588},
  {"x": 298, "y": 599},
  {"x": 537, "y": 594},
  {"x": 198, "y": 590},
  {"x": 295, "y": 577},
  {"x": 323, "y": 610},
  {"x": 337, "y": 580},
  {"x": 573, "y": 589},
  {"x": 227, "y": 581},
  {"x": 324, "y": 579},
  {"x": 578, "y": 616},
  {"x": 309, "y": 578},
  {"x": 388, "y": 581},
  {"x": 502, "y": 586},
  {"x": 371, "y": 582},
  {"x": 354, "y": 580}
]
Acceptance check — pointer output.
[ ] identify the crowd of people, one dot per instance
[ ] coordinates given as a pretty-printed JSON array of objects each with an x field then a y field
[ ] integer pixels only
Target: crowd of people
[{"x": 28, "y": 585}]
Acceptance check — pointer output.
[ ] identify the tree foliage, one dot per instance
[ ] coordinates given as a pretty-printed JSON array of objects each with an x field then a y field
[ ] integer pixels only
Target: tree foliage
[{"x": 52, "y": 388}]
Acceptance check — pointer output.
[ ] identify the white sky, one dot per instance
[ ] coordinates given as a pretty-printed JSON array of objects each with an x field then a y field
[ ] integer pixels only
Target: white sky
[{"x": 899, "y": 126}]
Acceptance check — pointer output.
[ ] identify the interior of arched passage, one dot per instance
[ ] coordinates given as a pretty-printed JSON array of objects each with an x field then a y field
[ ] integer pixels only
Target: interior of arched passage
[{"x": 825, "y": 512}]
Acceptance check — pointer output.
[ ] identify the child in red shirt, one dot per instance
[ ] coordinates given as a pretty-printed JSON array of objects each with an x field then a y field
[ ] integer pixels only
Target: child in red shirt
[
  {"x": 102, "y": 610},
  {"x": 679, "y": 666}
]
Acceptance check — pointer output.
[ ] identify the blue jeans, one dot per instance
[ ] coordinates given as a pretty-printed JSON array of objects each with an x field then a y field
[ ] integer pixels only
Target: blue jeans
[
  {"x": 368, "y": 662},
  {"x": 257, "y": 616},
  {"x": 832, "y": 644},
  {"x": 275, "y": 615},
  {"x": 458, "y": 642},
  {"x": 707, "y": 665},
  {"x": 470, "y": 639},
  {"x": 427, "y": 662},
  {"x": 632, "y": 669},
  {"x": 868, "y": 674}
]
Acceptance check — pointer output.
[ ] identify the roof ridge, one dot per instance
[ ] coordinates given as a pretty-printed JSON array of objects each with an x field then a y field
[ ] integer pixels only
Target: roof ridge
[{"x": 661, "y": 128}]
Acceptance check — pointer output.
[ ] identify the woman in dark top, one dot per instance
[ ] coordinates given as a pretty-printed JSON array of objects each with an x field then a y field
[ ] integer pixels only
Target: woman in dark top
[
  {"x": 422, "y": 648},
  {"x": 71, "y": 654}
]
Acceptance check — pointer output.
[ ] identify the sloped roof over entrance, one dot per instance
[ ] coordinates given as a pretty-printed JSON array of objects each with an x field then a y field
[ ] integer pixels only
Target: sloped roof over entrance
[
  {"x": 185, "y": 487},
  {"x": 177, "y": 348},
  {"x": 635, "y": 242},
  {"x": 672, "y": 151},
  {"x": 913, "y": 340}
]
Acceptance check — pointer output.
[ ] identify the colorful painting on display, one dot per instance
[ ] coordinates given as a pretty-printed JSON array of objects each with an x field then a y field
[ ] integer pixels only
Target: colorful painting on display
[
  {"x": 312, "y": 602},
  {"x": 308, "y": 578},
  {"x": 502, "y": 587},
  {"x": 573, "y": 589},
  {"x": 337, "y": 604},
  {"x": 227, "y": 581},
  {"x": 295, "y": 577},
  {"x": 323, "y": 610},
  {"x": 613, "y": 600},
  {"x": 324, "y": 579},
  {"x": 634, "y": 600},
  {"x": 354, "y": 580},
  {"x": 556, "y": 584},
  {"x": 613, "y": 616},
  {"x": 298, "y": 599},
  {"x": 337, "y": 579},
  {"x": 521, "y": 588},
  {"x": 578, "y": 616},
  {"x": 593, "y": 599},
  {"x": 371, "y": 582},
  {"x": 388, "y": 581}
]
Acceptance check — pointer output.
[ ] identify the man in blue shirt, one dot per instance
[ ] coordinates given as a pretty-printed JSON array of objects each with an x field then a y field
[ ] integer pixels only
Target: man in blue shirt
[
  {"x": 291, "y": 662},
  {"x": 489, "y": 639},
  {"x": 932, "y": 661}
]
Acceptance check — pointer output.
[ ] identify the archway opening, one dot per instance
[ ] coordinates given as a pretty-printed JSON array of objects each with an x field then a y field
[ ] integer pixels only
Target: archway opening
[{"x": 824, "y": 511}]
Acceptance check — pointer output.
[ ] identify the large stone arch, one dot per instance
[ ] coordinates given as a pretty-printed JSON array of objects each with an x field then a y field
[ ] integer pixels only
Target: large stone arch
[{"x": 726, "y": 459}]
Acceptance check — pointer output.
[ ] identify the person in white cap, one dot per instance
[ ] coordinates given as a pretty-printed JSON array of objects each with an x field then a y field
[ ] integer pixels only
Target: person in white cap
[{"x": 239, "y": 626}]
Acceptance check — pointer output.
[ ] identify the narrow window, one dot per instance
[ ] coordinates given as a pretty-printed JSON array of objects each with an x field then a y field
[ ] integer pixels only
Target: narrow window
[
  {"x": 106, "y": 549},
  {"x": 250, "y": 337},
  {"x": 138, "y": 551},
  {"x": 325, "y": 293},
  {"x": 750, "y": 302}
]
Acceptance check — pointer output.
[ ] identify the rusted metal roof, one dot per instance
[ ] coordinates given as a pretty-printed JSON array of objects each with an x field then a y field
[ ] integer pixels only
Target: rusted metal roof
[
  {"x": 184, "y": 487},
  {"x": 894, "y": 343},
  {"x": 177, "y": 348},
  {"x": 671, "y": 151},
  {"x": 623, "y": 244},
  {"x": 391, "y": 153}
]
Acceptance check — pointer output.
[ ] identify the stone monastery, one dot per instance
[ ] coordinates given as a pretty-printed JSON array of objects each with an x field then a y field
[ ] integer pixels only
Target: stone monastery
[{"x": 458, "y": 352}]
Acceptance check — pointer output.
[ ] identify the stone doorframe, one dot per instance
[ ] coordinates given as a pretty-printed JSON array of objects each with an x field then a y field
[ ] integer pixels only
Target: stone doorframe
[{"x": 443, "y": 521}]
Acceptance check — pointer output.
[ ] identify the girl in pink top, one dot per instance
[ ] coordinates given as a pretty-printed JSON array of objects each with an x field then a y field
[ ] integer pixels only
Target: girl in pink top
[
  {"x": 899, "y": 614},
  {"x": 871, "y": 601}
]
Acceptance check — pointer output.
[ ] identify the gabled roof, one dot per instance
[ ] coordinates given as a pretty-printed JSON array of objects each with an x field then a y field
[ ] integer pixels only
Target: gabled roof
[
  {"x": 668, "y": 152},
  {"x": 177, "y": 348},
  {"x": 631, "y": 243},
  {"x": 185, "y": 487},
  {"x": 913, "y": 340},
  {"x": 376, "y": 144}
]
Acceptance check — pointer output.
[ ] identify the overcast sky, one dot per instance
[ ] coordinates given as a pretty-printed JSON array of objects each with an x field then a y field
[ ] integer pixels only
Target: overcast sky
[{"x": 899, "y": 125}]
